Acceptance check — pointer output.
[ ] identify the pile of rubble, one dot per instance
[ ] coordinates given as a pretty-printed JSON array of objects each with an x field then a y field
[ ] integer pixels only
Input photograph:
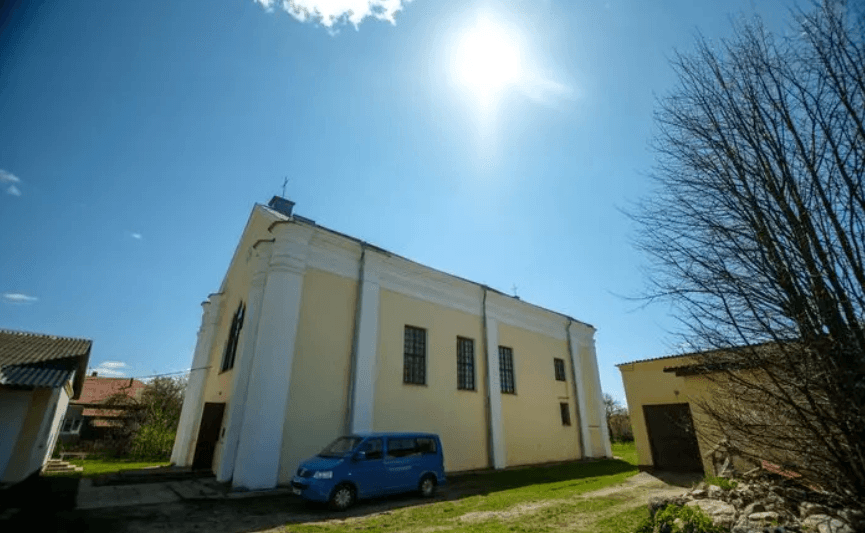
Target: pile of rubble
[{"x": 760, "y": 502}]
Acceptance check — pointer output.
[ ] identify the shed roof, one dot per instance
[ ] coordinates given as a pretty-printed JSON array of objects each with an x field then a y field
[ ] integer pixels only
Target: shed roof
[
  {"x": 39, "y": 360},
  {"x": 657, "y": 359}
]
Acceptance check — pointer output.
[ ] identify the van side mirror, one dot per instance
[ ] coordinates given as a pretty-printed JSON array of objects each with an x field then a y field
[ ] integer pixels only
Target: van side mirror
[{"x": 359, "y": 456}]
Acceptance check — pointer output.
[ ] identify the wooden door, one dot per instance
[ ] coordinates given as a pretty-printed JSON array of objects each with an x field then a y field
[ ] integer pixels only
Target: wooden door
[
  {"x": 208, "y": 435},
  {"x": 672, "y": 437}
]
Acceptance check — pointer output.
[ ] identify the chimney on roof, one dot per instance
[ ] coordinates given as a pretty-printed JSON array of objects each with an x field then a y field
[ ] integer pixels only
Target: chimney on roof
[
  {"x": 94, "y": 374},
  {"x": 278, "y": 203}
]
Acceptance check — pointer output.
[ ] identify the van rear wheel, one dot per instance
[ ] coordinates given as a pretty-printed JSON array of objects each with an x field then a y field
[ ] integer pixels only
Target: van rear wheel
[
  {"x": 427, "y": 486},
  {"x": 343, "y": 497}
]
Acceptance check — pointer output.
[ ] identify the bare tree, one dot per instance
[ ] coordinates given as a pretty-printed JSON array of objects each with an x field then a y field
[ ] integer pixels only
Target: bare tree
[
  {"x": 611, "y": 406},
  {"x": 618, "y": 420},
  {"x": 757, "y": 236}
]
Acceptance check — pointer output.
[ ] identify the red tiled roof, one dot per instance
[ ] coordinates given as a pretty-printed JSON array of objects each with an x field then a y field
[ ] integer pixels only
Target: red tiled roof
[
  {"x": 96, "y": 389},
  {"x": 105, "y": 413}
]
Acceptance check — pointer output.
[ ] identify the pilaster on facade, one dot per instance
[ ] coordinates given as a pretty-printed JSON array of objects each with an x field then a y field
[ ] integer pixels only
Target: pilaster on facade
[
  {"x": 574, "y": 342},
  {"x": 599, "y": 399},
  {"x": 260, "y": 444},
  {"x": 246, "y": 353},
  {"x": 585, "y": 340},
  {"x": 494, "y": 387},
  {"x": 365, "y": 347},
  {"x": 190, "y": 414}
]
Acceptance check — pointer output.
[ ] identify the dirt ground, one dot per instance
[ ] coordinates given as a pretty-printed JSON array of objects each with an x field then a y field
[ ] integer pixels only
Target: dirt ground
[{"x": 271, "y": 513}]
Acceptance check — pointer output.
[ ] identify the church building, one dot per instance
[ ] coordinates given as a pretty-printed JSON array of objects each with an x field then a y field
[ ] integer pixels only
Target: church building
[{"x": 315, "y": 334}]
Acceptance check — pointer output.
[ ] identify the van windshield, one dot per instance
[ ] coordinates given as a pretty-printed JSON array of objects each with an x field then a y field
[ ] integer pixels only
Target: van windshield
[{"x": 340, "y": 447}]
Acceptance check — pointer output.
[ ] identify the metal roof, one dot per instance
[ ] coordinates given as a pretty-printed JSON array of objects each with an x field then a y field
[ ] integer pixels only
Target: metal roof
[
  {"x": 34, "y": 376},
  {"x": 296, "y": 218},
  {"x": 658, "y": 359},
  {"x": 37, "y": 360},
  {"x": 19, "y": 347}
]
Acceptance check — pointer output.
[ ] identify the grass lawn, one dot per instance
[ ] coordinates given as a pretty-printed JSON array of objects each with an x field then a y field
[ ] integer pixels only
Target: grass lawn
[
  {"x": 626, "y": 450},
  {"x": 531, "y": 499},
  {"x": 98, "y": 466}
]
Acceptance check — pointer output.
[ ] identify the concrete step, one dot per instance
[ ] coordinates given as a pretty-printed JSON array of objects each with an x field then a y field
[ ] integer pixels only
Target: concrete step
[{"x": 54, "y": 466}]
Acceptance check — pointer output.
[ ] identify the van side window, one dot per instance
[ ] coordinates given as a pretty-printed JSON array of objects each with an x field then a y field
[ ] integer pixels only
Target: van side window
[
  {"x": 426, "y": 445},
  {"x": 401, "y": 448},
  {"x": 373, "y": 449}
]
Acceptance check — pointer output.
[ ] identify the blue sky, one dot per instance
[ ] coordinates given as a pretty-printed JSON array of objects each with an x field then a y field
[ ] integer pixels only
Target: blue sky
[{"x": 135, "y": 137}]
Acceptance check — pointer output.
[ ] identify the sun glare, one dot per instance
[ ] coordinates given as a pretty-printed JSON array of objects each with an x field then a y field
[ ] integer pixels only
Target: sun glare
[{"x": 487, "y": 60}]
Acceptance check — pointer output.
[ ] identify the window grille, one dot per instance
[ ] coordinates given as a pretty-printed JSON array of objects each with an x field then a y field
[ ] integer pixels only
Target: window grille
[
  {"x": 506, "y": 369},
  {"x": 559, "y": 365},
  {"x": 465, "y": 364},
  {"x": 414, "y": 359}
]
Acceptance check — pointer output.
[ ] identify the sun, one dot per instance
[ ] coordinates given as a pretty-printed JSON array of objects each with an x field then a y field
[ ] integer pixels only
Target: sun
[{"x": 487, "y": 60}]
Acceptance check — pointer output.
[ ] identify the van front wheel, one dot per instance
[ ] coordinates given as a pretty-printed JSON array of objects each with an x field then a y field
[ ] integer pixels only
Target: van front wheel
[
  {"x": 342, "y": 497},
  {"x": 427, "y": 486}
]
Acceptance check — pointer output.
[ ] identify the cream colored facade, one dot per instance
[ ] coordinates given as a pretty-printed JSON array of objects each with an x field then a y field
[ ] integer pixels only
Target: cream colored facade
[
  {"x": 321, "y": 354},
  {"x": 647, "y": 384}
]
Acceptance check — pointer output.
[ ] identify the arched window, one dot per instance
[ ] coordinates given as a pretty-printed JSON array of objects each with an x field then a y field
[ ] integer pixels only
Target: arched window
[{"x": 233, "y": 335}]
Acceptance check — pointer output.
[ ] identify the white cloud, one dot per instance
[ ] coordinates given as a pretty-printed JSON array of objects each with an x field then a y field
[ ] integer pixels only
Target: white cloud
[
  {"x": 136, "y": 236},
  {"x": 18, "y": 298},
  {"x": 7, "y": 178},
  {"x": 545, "y": 91},
  {"x": 112, "y": 369},
  {"x": 330, "y": 12}
]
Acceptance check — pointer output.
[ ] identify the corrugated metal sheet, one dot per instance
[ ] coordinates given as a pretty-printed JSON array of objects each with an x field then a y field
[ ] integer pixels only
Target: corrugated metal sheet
[
  {"x": 34, "y": 376},
  {"x": 18, "y": 347}
]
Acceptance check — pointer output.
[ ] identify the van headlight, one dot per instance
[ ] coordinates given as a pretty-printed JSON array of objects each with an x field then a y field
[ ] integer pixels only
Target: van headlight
[{"x": 325, "y": 474}]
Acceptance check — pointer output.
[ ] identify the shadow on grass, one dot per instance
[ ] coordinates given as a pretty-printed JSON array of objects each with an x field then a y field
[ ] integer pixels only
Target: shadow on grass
[
  {"x": 52, "y": 500},
  {"x": 484, "y": 482},
  {"x": 44, "y": 503}
]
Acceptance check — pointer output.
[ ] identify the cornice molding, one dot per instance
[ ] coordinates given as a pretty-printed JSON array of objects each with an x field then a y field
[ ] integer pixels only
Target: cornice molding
[
  {"x": 526, "y": 316},
  {"x": 318, "y": 248}
]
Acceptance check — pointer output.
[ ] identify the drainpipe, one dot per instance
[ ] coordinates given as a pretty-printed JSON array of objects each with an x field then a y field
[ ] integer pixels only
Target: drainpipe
[
  {"x": 489, "y": 413},
  {"x": 358, "y": 302}
]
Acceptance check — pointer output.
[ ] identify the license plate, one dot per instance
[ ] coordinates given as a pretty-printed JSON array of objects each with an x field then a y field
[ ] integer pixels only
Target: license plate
[{"x": 295, "y": 490}]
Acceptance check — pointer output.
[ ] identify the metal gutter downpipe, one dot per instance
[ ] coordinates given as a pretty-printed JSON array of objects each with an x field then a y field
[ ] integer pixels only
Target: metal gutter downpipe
[
  {"x": 358, "y": 304},
  {"x": 488, "y": 408}
]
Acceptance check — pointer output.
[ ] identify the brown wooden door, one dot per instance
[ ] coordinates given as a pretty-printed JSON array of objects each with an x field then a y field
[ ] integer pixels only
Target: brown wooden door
[
  {"x": 672, "y": 437},
  {"x": 208, "y": 435}
]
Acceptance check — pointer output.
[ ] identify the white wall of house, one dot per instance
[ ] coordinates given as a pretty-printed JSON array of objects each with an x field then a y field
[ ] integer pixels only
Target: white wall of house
[
  {"x": 13, "y": 410},
  {"x": 55, "y": 424}
]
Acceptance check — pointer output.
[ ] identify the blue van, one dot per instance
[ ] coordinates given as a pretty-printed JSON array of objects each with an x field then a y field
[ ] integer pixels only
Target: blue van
[{"x": 367, "y": 465}]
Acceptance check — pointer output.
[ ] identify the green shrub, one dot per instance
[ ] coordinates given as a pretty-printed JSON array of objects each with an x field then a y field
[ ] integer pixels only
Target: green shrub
[
  {"x": 722, "y": 482},
  {"x": 152, "y": 442},
  {"x": 691, "y": 520}
]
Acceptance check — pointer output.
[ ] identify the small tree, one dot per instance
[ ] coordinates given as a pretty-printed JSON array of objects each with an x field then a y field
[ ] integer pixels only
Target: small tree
[
  {"x": 148, "y": 430},
  {"x": 757, "y": 236}
]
